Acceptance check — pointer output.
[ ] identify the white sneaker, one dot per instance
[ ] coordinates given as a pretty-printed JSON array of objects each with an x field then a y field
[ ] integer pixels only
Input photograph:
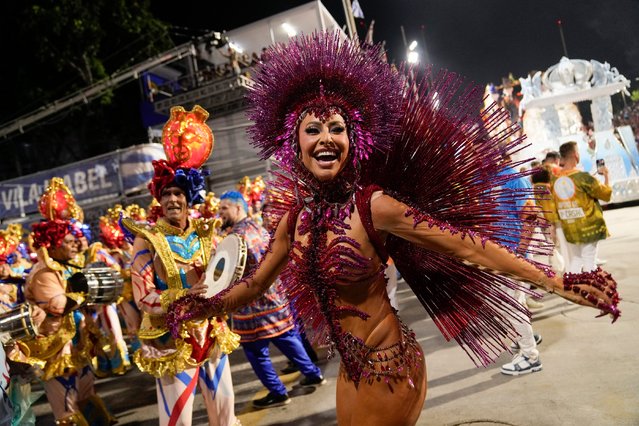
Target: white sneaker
[{"x": 521, "y": 364}]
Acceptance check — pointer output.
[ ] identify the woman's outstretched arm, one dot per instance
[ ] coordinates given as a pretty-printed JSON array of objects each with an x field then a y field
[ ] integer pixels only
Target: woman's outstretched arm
[
  {"x": 390, "y": 217},
  {"x": 239, "y": 293},
  {"x": 250, "y": 288}
]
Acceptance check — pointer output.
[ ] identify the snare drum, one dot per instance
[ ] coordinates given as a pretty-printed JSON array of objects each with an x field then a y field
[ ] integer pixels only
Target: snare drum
[
  {"x": 17, "y": 324},
  {"x": 226, "y": 265},
  {"x": 105, "y": 284}
]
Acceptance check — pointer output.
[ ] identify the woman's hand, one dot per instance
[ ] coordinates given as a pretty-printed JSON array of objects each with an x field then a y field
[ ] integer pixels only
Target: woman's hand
[
  {"x": 596, "y": 289},
  {"x": 190, "y": 308},
  {"x": 199, "y": 288}
]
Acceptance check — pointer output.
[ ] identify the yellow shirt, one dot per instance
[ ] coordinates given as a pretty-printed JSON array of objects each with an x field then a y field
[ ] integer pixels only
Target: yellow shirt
[
  {"x": 546, "y": 202},
  {"x": 577, "y": 196}
]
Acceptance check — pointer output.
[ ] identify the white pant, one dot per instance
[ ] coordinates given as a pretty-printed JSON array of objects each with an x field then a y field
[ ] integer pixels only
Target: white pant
[
  {"x": 523, "y": 327},
  {"x": 176, "y": 394},
  {"x": 562, "y": 246},
  {"x": 391, "y": 285},
  {"x": 582, "y": 257}
]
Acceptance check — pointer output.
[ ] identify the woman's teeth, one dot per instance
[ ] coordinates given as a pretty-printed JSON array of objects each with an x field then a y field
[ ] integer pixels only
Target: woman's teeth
[{"x": 326, "y": 156}]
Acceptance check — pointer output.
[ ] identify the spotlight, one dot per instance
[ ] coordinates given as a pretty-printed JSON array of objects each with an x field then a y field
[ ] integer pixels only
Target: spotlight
[
  {"x": 288, "y": 28},
  {"x": 218, "y": 40}
]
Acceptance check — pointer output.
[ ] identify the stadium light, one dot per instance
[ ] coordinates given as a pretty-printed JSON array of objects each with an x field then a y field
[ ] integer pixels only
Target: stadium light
[
  {"x": 288, "y": 28},
  {"x": 235, "y": 47}
]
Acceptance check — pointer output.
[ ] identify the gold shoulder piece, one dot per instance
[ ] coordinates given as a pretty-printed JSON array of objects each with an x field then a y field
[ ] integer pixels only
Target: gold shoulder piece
[
  {"x": 92, "y": 253},
  {"x": 135, "y": 227},
  {"x": 52, "y": 264}
]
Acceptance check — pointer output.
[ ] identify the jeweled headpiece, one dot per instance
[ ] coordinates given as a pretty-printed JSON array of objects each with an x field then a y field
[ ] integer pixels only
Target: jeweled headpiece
[
  {"x": 135, "y": 212},
  {"x": 8, "y": 243},
  {"x": 110, "y": 232},
  {"x": 257, "y": 190},
  {"x": 244, "y": 187},
  {"x": 208, "y": 209},
  {"x": 188, "y": 142},
  {"x": 62, "y": 215},
  {"x": 57, "y": 202},
  {"x": 323, "y": 74}
]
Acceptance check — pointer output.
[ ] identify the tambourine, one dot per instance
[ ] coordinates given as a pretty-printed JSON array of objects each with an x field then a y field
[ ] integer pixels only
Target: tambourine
[
  {"x": 17, "y": 324},
  {"x": 226, "y": 265},
  {"x": 105, "y": 284}
]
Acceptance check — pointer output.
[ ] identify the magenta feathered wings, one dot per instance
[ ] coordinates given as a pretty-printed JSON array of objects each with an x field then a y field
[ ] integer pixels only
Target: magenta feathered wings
[{"x": 447, "y": 165}]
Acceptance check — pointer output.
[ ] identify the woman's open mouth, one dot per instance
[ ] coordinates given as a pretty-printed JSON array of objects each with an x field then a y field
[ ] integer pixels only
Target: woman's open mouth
[{"x": 326, "y": 158}]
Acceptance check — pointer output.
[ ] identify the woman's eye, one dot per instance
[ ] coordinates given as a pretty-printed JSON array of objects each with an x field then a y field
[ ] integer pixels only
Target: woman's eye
[
  {"x": 337, "y": 129},
  {"x": 312, "y": 131}
]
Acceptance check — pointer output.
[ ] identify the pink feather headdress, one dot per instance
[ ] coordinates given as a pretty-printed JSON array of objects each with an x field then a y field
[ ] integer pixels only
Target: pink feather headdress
[{"x": 324, "y": 74}]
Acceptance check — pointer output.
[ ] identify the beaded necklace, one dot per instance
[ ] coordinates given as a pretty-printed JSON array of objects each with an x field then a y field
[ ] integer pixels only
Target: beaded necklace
[{"x": 311, "y": 281}]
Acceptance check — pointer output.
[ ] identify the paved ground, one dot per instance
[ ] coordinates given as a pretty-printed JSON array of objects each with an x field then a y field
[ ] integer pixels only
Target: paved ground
[{"x": 590, "y": 375}]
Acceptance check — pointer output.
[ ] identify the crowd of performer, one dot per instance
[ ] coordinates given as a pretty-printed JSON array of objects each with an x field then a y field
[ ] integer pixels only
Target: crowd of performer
[
  {"x": 70, "y": 341},
  {"x": 78, "y": 340},
  {"x": 77, "y": 306}
]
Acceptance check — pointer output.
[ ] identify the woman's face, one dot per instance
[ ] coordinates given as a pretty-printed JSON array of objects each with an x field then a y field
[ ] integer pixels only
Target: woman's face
[{"x": 324, "y": 146}]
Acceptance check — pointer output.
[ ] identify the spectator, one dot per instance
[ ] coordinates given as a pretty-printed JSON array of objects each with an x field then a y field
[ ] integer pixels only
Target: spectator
[
  {"x": 577, "y": 196},
  {"x": 546, "y": 203},
  {"x": 264, "y": 54},
  {"x": 552, "y": 160},
  {"x": 234, "y": 60},
  {"x": 526, "y": 359},
  {"x": 267, "y": 319}
]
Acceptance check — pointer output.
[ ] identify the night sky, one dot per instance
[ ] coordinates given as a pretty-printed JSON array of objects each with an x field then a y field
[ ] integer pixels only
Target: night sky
[{"x": 482, "y": 40}]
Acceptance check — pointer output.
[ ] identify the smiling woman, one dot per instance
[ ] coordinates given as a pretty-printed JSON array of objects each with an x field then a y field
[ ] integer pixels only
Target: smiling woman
[
  {"x": 342, "y": 123},
  {"x": 324, "y": 145}
]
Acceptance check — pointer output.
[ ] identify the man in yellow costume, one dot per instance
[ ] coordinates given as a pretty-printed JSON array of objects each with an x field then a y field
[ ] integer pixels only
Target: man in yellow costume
[
  {"x": 64, "y": 346},
  {"x": 112, "y": 235},
  {"x": 577, "y": 196},
  {"x": 168, "y": 262}
]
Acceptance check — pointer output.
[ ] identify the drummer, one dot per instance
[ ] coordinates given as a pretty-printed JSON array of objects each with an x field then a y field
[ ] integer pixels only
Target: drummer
[
  {"x": 112, "y": 355},
  {"x": 121, "y": 249},
  {"x": 267, "y": 319},
  {"x": 169, "y": 258},
  {"x": 64, "y": 345},
  {"x": 10, "y": 281}
]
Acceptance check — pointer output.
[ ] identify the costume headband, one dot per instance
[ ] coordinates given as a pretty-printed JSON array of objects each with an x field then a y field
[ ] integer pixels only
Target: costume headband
[
  {"x": 208, "y": 209},
  {"x": 8, "y": 243},
  {"x": 61, "y": 216},
  {"x": 323, "y": 74},
  {"x": 110, "y": 232}
]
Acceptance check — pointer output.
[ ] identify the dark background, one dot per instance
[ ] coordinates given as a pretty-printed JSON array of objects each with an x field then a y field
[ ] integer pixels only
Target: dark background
[
  {"x": 54, "y": 47},
  {"x": 483, "y": 40}
]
